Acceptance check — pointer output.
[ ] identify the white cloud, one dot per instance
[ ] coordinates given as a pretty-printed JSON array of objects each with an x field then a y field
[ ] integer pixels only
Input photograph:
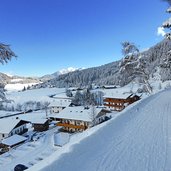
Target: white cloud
[{"x": 160, "y": 31}]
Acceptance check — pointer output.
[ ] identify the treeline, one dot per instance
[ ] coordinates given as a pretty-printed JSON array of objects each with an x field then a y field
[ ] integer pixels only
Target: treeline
[{"x": 155, "y": 60}]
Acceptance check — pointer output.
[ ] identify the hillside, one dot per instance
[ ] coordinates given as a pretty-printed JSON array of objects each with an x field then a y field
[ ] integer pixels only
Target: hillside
[
  {"x": 6, "y": 79},
  {"x": 155, "y": 63},
  {"x": 137, "y": 139}
]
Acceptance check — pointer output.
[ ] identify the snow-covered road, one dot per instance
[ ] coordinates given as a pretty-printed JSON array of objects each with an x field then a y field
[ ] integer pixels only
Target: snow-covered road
[
  {"x": 29, "y": 153},
  {"x": 137, "y": 140}
]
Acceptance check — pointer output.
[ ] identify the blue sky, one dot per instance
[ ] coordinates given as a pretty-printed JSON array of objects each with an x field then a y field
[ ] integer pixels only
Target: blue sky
[{"x": 49, "y": 35}]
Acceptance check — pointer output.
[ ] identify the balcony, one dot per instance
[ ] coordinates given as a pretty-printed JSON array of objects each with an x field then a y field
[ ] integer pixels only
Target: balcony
[{"x": 72, "y": 126}]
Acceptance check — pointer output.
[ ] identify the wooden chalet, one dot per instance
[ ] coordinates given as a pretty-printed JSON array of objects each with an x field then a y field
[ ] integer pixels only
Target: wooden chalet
[
  {"x": 58, "y": 105},
  {"x": 109, "y": 86},
  {"x": 41, "y": 125},
  {"x": 118, "y": 103},
  {"x": 13, "y": 141},
  {"x": 11, "y": 126},
  {"x": 79, "y": 118}
]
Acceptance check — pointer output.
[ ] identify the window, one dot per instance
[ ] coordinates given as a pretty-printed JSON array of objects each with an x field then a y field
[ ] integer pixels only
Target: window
[{"x": 3, "y": 135}]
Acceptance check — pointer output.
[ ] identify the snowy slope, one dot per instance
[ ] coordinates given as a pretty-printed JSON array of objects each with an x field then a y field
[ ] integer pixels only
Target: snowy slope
[
  {"x": 17, "y": 86},
  {"x": 138, "y": 139},
  {"x": 34, "y": 95}
]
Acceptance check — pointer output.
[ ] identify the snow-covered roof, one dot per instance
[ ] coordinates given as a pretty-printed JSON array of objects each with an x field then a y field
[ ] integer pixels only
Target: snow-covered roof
[
  {"x": 39, "y": 121},
  {"x": 77, "y": 113},
  {"x": 15, "y": 139},
  {"x": 60, "y": 103},
  {"x": 118, "y": 95},
  {"x": 110, "y": 86},
  {"x": 7, "y": 124},
  {"x": 33, "y": 116}
]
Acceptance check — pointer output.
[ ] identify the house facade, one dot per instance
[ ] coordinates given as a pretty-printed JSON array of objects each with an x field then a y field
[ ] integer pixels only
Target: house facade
[
  {"x": 58, "y": 105},
  {"x": 10, "y": 126},
  {"x": 75, "y": 119},
  {"x": 118, "y": 103},
  {"x": 41, "y": 125}
]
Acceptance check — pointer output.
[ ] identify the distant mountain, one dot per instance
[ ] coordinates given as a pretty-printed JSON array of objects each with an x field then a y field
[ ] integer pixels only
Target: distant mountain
[
  {"x": 155, "y": 63},
  {"x": 14, "y": 79},
  {"x": 60, "y": 72}
]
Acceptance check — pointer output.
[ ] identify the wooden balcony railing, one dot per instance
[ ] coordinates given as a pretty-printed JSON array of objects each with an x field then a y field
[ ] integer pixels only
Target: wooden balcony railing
[
  {"x": 114, "y": 105},
  {"x": 72, "y": 126}
]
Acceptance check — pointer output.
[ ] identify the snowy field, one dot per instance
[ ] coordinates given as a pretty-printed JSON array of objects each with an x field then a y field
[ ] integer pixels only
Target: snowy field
[
  {"x": 17, "y": 86},
  {"x": 138, "y": 135},
  {"x": 138, "y": 139},
  {"x": 34, "y": 95}
]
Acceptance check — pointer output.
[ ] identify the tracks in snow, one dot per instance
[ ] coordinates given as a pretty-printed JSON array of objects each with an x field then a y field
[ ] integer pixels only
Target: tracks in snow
[{"x": 139, "y": 139}]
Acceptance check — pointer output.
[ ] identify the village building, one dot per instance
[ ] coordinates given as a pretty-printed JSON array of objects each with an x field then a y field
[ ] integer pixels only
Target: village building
[
  {"x": 11, "y": 126},
  {"x": 109, "y": 86},
  {"x": 118, "y": 102},
  {"x": 40, "y": 125},
  {"x": 12, "y": 141},
  {"x": 73, "y": 119},
  {"x": 58, "y": 105}
]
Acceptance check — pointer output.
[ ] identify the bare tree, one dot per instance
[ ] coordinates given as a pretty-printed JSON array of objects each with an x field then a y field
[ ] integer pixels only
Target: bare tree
[{"x": 93, "y": 115}]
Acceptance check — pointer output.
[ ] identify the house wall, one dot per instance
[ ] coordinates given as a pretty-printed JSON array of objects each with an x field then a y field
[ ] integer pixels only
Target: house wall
[
  {"x": 119, "y": 104},
  {"x": 116, "y": 104},
  {"x": 41, "y": 127},
  {"x": 18, "y": 130},
  {"x": 76, "y": 123},
  {"x": 99, "y": 119},
  {"x": 2, "y": 136}
]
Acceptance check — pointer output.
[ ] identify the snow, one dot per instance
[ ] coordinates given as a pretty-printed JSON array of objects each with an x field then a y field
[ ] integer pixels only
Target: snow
[
  {"x": 168, "y": 10},
  {"x": 118, "y": 96},
  {"x": 33, "y": 117},
  {"x": 6, "y": 113},
  {"x": 62, "y": 96},
  {"x": 17, "y": 86},
  {"x": 67, "y": 70},
  {"x": 29, "y": 153},
  {"x": 39, "y": 121},
  {"x": 60, "y": 103},
  {"x": 16, "y": 80},
  {"x": 76, "y": 113},
  {"x": 15, "y": 139},
  {"x": 11, "y": 122},
  {"x": 167, "y": 23},
  {"x": 34, "y": 95},
  {"x": 139, "y": 138},
  {"x": 61, "y": 138}
]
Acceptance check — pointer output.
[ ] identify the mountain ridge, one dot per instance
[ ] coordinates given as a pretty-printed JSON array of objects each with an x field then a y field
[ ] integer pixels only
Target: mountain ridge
[
  {"x": 154, "y": 61},
  {"x": 107, "y": 74}
]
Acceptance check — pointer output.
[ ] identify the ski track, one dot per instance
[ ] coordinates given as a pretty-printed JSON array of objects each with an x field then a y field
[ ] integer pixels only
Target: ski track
[{"x": 139, "y": 139}]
